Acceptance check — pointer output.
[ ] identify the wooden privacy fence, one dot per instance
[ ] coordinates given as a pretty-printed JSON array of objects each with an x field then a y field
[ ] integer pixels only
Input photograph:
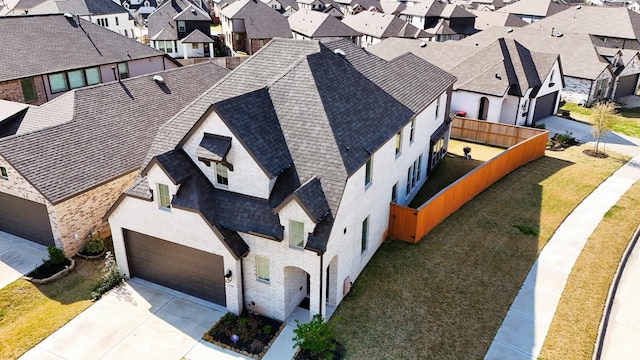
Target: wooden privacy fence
[{"x": 411, "y": 225}]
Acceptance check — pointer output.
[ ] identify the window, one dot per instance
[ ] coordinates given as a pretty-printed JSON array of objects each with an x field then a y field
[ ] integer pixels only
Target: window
[
  {"x": 222, "y": 174},
  {"x": 74, "y": 79},
  {"x": 438, "y": 152},
  {"x": 126, "y": 33},
  {"x": 437, "y": 107},
  {"x": 165, "y": 46},
  {"x": 58, "y": 83},
  {"x": 365, "y": 235},
  {"x": 367, "y": 173},
  {"x": 412, "y": 131},
  {"x": 409, "y": 18},
  {"x": 3, "y": 172},
  {"x": 195, "y": 46},
  {"x": 29, "y": 90},
  {"x": 182, "y": 27},
  {"x": 413, "y": 174},
  {"x": 296, "y": 233},
  {"x": 601, "y": 87},
  {"x": 103, "y": 22},
  {"x": 398, "y": 142},
  {"x": 92, "y": 75},
  {"x": 260, "y": 43},
  {"x": 163, "y": 196},
  {"x": 394, "y": 193},
  {"x": 117, "y": 22},
  {"x": 123, "y": 71},
  {"x": 262, "y": 268}
]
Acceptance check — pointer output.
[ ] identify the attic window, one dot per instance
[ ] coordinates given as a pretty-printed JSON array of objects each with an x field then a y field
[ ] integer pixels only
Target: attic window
[
  {"x": 296, "y": 234},
  {"x": 182, "y": 27},
  {"x": 3, "y": 173},
  {"x": 164, "y": 198}
]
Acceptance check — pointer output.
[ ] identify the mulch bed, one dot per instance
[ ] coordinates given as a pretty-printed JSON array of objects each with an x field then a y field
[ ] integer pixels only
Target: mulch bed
[
  {"x": 254, "y": 332},
  {"x": 338, "y": 353},
  {"x": 594, "y": 154},
  {"x": 47, "y": 270}
]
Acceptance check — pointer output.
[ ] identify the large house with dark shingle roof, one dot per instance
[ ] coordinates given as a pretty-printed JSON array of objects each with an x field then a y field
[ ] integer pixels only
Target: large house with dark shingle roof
[
  {"x": 181, "y": 29},
  {"x": 64, "y": 163},
  {"x": 274, "y": 186},
  {"x": 60, "y": 53},
  {"x": 502, "y": 81},
  {"x": 249, "y": 24}
]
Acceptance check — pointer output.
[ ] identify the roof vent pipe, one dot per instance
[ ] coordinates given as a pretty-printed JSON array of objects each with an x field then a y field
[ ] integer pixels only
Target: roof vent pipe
[
  {"x": 423, "y": 44},
  {"x": 340, "y": 52},
  {"x": 159, "y": 79}
]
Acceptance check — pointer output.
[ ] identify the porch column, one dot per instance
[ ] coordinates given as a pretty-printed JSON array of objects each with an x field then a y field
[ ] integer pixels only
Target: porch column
[
  {"x": 211, "y": 52},
  {"x": 184, "y": 50}
]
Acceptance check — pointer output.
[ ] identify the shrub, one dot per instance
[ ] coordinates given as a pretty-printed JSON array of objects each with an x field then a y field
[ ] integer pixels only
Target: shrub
[
  {"x": 56, "y": 256},
  {"x": 111, "y": 277},
  {"x": 315, "y": 337},
  {"x": 94, "y": 246},
  {"x": 526, "y": 229},
  {"x": 267, "y": 330}
]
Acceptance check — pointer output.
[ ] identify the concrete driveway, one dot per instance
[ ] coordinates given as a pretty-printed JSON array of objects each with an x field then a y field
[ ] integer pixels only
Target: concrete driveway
[
  {"x": 139, "y": 320},
  {"x": 18, "y": 257}
]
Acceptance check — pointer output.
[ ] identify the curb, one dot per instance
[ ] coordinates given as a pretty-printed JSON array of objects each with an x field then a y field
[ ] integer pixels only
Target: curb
[{"x": 602, "y": 330}]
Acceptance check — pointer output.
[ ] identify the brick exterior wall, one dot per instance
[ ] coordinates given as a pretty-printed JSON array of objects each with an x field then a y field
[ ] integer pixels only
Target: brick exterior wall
[
  {"x": 82, "y": 214},
  {"x": 12, "y": 90}
]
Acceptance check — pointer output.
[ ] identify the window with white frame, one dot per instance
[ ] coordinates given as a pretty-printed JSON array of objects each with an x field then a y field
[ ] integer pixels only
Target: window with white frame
[
  {"x": 164, "y": 198},
  {"x": 262, "y": 269},
  {"x": 296, "y": 233},
  {"x": 368, "y": 168},
  {"x": 365, "y": 235},
  {"x": 182, "y": 27},
  {"x": 222, "y": 174},
  {"x": 412, "y": 131},
  {"x": 413, "y": 174},
  {"x": 398, "y": 142},
  {"x": 438, "y": 153},
  {"x": 3, "y": 173},
  {"x": 117, "y": 22}
]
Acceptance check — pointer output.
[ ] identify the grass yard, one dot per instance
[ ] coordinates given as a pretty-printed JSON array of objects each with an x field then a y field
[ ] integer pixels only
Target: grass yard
[
  {"x": 627, "y": 120},
  {"x": 29, "y": 313},
  {"x": 574, "y": 328},
  {"x": 456, "y": 167},
  {"x": 445, "y": 297}
]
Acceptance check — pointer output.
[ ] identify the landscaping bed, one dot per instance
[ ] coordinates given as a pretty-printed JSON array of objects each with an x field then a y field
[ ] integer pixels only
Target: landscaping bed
[{"x": 249, "y": 334}]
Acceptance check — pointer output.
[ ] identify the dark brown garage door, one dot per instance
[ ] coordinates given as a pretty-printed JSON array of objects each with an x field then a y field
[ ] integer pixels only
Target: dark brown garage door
[
  {"x": 179, "y": 267},
  {"x": 627, "y": 86},
  {"x": 26, "y": 219},
  {"x": 545, "y": 106}
]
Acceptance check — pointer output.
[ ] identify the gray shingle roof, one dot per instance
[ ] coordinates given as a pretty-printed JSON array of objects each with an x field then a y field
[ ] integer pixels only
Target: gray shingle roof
[
  {"x": 260, "y": 21},
  {"x": 316, "y": 24},
  {"x": 535, "y": 7},
  {"x": 78, "y": 7},
  {"x": 116, "y": 123},
  {"x": 577, "y": 52},
  {"x": 487, "y": 19},
  {"x": 382, "y": 26},
  {"x": 163, "y": 18},
  {"x": 192, "y": 13},
  {"x": 615, "y": 22},
  {"x": 197, "y": 36},
  {"x": 49, "y": 39}
]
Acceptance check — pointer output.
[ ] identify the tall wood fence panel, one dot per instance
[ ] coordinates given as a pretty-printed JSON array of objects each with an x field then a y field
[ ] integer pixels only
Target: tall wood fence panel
[{"x": 411, "y": 225}]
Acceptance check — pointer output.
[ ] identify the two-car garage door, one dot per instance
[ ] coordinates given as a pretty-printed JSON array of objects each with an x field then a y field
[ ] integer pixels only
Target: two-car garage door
[
  {"x": 179, "y": 267},
  {"x": 26, "y": 219},
  {"x": 545, "y": 106}
]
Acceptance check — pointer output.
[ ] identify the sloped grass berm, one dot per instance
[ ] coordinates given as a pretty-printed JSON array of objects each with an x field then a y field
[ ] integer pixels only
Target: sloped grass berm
[{"x": 248, "y": 334}]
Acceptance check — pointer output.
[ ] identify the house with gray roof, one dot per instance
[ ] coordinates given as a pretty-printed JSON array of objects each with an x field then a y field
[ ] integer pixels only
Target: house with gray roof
[
  {"x": 182, "y": 29},
  {"x": 91, "y": 141},
  {"x": 434, "y": 16},
  {"x": 587, "y": 75},
  {"x": 248, "y": 25},
  {"x": 315, "y": 25},
  {"x": 502, "y": 81},
  {"x": 531, "y": 11},
  {"x": 376, "y": 26},
  {"x": 625, "y": 65},
  {"x": 107, "y": 14},
  {"x": 275, "y": 184},
  {"x": 616, "y": 27},
  {"x": 488, "y": 19},
  {"x": 99, "y": 56}
]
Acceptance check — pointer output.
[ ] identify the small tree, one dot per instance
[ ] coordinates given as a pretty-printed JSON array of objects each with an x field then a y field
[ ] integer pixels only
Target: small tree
[
  {"x": 315, "y": 337},
  {"x": 602, "y": 120}
]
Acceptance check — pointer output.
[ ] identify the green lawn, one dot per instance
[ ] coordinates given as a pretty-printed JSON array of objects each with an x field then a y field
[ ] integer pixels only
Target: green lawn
[
  {"x": 574, "y": 328},
  {"x": 29, "y": 313},
  {"x": 445, "y": 297},
  {"x": 627, "y": 121}
]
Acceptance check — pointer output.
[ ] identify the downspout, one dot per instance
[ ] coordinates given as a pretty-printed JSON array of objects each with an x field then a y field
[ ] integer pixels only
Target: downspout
[
  {"x": 320, "y": 297},
  {"x": 46, "y": 96}
]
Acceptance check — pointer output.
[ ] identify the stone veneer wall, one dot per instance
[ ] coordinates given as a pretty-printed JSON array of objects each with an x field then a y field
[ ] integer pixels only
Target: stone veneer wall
[
  {"x": 12, "y": 90},
  {"x": 83, "y": 214}
]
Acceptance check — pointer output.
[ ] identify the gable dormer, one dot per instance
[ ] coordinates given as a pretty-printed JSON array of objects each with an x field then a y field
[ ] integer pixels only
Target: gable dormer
[{"x": 213, "y": 151}]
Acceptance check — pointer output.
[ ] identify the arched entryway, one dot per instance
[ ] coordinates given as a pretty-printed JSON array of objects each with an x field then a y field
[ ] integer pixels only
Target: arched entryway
[
  {"x": 296, "y": 294},
  {"x": 483, "y": 111},
  {"x": 332, "y": 288}
]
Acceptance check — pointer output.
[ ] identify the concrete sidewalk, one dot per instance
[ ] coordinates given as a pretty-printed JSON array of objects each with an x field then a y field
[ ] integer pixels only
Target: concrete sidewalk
[{"x": 526, "y": 324}]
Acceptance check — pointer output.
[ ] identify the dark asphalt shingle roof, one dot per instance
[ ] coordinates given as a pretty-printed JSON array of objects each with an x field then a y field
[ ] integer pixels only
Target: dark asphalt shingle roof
[
  {"x": 163, "y": 18},
  {"x": 214, "y": 147},
  {"x": 48, "y": 42},
  {"x": 197, "y": 36},
  {"x": 109, "y": 134},
  {"x": 312, "y": 197}
]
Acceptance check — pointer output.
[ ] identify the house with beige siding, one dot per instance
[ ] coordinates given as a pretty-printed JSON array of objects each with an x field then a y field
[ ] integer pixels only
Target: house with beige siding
[{"x": 64, "y": 163}]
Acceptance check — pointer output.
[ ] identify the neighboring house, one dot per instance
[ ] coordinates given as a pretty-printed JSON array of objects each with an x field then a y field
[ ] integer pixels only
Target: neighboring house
[
  {"x": 501, "y": 82},
  {"x": 436, "y": 15},
  {"x": 288, "y": 198},
  {"x": 617, "y": 27},
  {"x": 38, "y": 65},
  {"x": 91, "y": 142},
  {"x": 140, "y": 9},
  {"x": 314, "y": 25},
  {"x": 107, "y": 14},
  {"x": 488, "y": 19},
  {"x": 181, "y": 29},
  {"x": 626, "y": 68},
  {"x": 486, "y": 5},
  {"x": 587, "y": 75},
  {"x": 17, "y": 7},
  {"x": 534, "y": 10},
  {"x": 376, "y": 26},
  {"x": 392, "y": 7},
  {"x": 249, "y": 24}
]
